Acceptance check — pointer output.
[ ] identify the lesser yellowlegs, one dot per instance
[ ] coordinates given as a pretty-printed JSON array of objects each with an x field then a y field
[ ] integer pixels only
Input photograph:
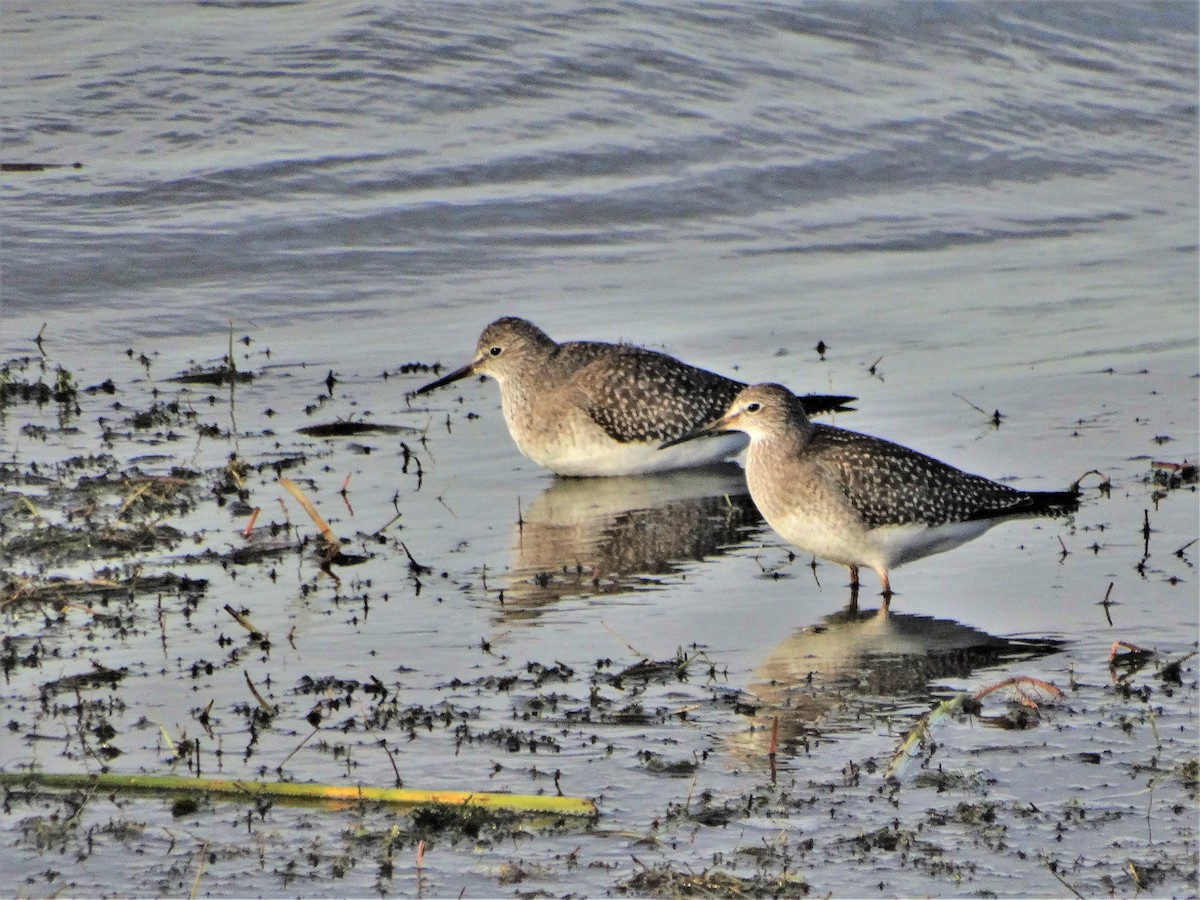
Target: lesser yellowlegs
[
  {"x": 859, "y": 500},
  {"x": 592, "y": 408}
]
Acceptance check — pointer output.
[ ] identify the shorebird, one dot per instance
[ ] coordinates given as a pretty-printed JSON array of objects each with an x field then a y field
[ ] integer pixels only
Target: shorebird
[
  {"x": 859, "y": 500},
  {"x": 584, "y": 408}
]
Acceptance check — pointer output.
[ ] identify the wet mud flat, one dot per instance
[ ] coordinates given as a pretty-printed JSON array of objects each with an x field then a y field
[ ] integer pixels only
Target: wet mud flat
[{"x": 169, "y": 608}]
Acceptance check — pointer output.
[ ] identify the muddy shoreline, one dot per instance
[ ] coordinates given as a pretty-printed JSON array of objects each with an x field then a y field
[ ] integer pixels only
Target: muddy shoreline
[{"x": 149, "y": 621}]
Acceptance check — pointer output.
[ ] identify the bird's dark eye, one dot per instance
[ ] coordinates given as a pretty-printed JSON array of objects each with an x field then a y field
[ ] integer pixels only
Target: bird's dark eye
[
  {"x": 753, "y": 407},
  {"x": 496, "y": 351}
]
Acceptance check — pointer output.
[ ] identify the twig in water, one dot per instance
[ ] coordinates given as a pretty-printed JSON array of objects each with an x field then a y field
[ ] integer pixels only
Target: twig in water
[
  {"x": 1157, "y": 744},
  {"x": 37, "y": 515},
  {"x": 326, "y": 532},
  {"x": 634, "y": 649},
  {"x": 920, "y": 733},
  {"x": 392, "y": 760},
  {"x": 1018, "y": 682},
  {"x": 1104, "y": 486},
  {"x": 205, "y": 718},
  {"x": 142, "y": 488},
  {"x": 1106, "y": 603},
  {"x": 415, "y": 567},
  {"x": 249, "y": 790},
  {"x": 1133, "y": 872},
  {"x": 1061, "y": 880},
  {"x": 1135, "y": 652},
  {"x": 199, "y": 869},
  {"x": 242, "y": 619},
  {"x": 162, "y": 729},
  {"x": 687, "y": 804},
  {"x": 279, "y": 768},
  {"x": 263, "y": 704},
  {"x": 390, "y": 522},
  {"x": 996, "y": 416},
  {"x": 440, "y": 498}
]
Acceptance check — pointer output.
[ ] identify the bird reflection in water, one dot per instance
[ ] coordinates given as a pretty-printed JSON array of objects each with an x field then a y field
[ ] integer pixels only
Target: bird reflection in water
[
  {"x": 584, "y": 537},
  {"x": 859, "y": 665}
]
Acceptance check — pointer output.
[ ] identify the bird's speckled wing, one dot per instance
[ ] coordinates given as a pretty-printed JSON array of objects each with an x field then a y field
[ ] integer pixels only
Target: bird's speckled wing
[
  {"x": 888, "y": 484},
  {"x": 642, "y": 395}
]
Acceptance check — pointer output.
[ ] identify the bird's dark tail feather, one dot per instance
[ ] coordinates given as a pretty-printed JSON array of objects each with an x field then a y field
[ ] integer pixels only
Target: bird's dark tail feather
[
  {"x": 1031, "y": 503},
  {"x": 815, "y": 404},
  {"x": 1050, "y": 503}
]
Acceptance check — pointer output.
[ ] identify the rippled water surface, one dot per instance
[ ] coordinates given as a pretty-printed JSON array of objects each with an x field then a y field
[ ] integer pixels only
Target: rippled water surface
[{"x": 975, "y": 207}]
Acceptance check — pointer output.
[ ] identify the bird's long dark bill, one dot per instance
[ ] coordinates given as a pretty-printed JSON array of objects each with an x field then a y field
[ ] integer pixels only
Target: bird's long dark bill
[
  {"x": 456, "y": 375},
  {"x": 703, "y": 431}
]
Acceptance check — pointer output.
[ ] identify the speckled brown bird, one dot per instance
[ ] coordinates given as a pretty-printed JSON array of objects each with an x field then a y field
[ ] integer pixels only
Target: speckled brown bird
[
  {"x": 859, "y": 500},
  {"x": 592, "y": 408}
]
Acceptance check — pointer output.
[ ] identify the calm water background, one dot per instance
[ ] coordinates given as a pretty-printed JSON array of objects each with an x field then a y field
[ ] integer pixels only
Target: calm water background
[
  {"x": 887, "y": 177},
  {"x": 996, "y": 201}
]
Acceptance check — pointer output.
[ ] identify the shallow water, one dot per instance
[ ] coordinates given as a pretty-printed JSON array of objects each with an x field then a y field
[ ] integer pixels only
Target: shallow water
[{"x": 989, "y": 206}]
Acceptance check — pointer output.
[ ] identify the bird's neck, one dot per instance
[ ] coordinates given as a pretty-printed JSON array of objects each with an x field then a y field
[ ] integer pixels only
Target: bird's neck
[
  {"x": 521, "y": 385},
  {"x": 768, "y": 449}
]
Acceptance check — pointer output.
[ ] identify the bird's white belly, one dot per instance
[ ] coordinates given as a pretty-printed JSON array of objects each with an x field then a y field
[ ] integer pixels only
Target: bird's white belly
[
  {"x": 821, "y": 537},
  {"x": 878, "y": 548},
  {"x": 601, "y": 455},
  {"x": 895, "y": 545}
]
